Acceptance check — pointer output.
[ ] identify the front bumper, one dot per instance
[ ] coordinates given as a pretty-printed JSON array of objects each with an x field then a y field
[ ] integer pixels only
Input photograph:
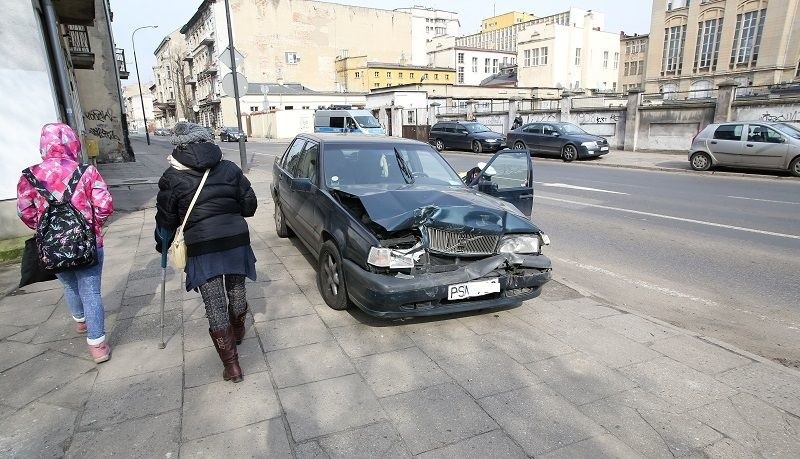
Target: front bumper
[
  {"x": 384, "y": 295},
  {"x": 584, "y": 152},
  {"x": 492, "y": 146}
]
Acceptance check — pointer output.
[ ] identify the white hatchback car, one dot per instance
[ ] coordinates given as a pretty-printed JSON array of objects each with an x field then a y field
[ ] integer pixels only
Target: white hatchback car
[{"x": 747, "y": 144}]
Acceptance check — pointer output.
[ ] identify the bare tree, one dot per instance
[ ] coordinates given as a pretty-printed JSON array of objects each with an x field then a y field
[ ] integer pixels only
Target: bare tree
[{"x": 182, "y": 101}]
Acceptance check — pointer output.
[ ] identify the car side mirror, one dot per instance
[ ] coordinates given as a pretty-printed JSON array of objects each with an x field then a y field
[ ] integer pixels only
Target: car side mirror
[
  {"x": 556, "y": 134},
  {"x": 301, "y": 184}
]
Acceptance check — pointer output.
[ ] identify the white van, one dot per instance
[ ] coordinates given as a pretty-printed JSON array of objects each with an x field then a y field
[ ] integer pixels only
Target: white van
[{"x": 360, "y": 121}]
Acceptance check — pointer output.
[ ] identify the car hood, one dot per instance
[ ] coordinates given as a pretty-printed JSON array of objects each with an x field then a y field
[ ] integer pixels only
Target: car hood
[
  {"x": 585, "y": 138},
  {"x": 456, "y": 208},
  {"x": 487, "y": 135}
]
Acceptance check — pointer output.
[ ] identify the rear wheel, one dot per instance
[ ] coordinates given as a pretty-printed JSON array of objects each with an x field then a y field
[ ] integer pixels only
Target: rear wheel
[
  {"x": 519, "y": 145},
  {"x": 794, "y": 167},
  {"x": 569, "y": 153},
  {"x": 700, "y": 161},
  {"x": 439, "y": 144},
  {"x": 330, "y": 277},
  {"x": 476, "y": 146},
  {"x": 280, "y": 222}
]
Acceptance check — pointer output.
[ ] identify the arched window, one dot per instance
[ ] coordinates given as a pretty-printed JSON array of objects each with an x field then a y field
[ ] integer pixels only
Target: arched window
[
  {"x": 674, "y": 41},
  {"x": 709, "y": 32},
  {"x": 750, "y": 16},
  {"x": 669, "y": 91},
  {"x": 701, "y": 89}
]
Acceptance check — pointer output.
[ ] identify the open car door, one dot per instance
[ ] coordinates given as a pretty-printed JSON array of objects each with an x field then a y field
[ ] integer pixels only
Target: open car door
[{"x": 508, "y": 176}]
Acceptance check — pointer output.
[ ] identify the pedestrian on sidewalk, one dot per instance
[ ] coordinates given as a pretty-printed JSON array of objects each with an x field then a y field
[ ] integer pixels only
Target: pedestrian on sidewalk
[
  {"x": 60, "y": 147},
  {"x": 219, "y": 256}
]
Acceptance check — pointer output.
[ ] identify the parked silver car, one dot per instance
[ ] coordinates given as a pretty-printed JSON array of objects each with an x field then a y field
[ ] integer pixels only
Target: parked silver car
[{"x": 747, "y": 144}]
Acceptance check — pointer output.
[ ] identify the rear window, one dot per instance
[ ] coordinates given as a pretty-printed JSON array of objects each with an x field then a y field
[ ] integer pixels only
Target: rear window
[
  {"x": 729, "y": 132},
  {"x": 437, "y": 127}
]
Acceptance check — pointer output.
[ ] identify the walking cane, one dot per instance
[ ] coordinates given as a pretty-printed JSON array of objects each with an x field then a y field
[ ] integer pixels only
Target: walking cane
[{"x": 164, "y": 234}]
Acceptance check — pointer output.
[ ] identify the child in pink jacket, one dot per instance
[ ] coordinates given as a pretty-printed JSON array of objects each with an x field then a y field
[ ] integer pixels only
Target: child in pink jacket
[{"x": 60, "y": 148}]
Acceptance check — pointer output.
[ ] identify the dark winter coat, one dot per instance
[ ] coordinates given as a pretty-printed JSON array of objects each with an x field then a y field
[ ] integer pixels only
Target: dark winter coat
[{"x": 216, "y": 222}]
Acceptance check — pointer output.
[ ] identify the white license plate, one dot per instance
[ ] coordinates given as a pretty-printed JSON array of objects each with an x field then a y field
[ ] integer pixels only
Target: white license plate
[
  {"x": 603, "y": 148},
  {"x": 472, "y": 289}
]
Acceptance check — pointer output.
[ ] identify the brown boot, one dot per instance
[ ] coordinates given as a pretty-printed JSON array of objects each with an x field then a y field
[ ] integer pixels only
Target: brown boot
[
  {"x": 226, "y": 348},
  {"x": 237, "y": 323}
]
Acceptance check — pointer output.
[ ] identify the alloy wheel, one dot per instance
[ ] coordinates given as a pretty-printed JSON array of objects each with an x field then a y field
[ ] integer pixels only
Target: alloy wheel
[{"x": 331, "y": 275}]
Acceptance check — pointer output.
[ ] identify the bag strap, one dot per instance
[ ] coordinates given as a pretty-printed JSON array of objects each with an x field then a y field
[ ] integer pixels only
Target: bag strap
[
  {"x": 73, "y": 182},
  {"x": 194, "y": 199},
  {"x": 28, "y": 174},
  {"x": 70, "y": 189}
]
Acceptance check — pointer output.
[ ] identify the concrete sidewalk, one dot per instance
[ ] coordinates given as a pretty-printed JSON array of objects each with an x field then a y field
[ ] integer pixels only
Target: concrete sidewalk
[{"x": 560, "y": 376}]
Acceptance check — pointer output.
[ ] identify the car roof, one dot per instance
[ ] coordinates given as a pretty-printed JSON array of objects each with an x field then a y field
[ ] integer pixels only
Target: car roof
[{"x": 350, "y": 138}]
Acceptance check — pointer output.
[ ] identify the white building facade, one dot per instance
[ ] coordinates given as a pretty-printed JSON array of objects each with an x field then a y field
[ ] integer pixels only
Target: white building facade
[
  {"x": 427, "y": 23},
  {"x": 472, "y": 65}
]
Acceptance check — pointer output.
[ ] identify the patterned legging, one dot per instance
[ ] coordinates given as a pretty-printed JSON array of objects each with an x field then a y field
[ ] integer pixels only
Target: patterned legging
[{"x": 214, "y": 293}]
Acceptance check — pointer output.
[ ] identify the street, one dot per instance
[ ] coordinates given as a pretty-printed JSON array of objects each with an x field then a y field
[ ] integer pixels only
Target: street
[{"x": 716, "y": 255}]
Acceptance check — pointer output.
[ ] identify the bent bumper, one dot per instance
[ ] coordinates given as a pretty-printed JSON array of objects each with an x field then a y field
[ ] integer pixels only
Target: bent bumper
[{"x": 521, "y": 278}]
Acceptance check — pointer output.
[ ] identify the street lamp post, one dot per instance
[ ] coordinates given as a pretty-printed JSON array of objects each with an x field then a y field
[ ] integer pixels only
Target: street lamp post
[{"x": 138, "y": 80}]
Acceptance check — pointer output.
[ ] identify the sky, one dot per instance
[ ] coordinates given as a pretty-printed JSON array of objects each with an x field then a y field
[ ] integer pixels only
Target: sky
[{"x": 631, "y": 16}]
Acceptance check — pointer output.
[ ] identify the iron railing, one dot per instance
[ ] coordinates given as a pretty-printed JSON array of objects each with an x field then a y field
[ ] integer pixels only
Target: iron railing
[
  {"x": 123, "y": 67},
  {"x": 78, "y": 39},
  {"x": 674, "y": 97}
]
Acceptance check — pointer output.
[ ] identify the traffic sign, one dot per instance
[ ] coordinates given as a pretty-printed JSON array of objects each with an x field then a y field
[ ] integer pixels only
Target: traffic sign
[
  {"x": 225, "y": 57},
  {"x": 227, "y": 84}
]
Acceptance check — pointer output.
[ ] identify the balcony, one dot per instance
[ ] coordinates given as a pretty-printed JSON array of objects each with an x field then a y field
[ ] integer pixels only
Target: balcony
[
  {"x": 188, "y": 57},
  {"x": 80, "y": 49},
  {"x": 189, "y": 79},
  {"x": 78, "y": 12},
  {"x": 123, "y": 67},
  {"x": 208, "y": 71}
]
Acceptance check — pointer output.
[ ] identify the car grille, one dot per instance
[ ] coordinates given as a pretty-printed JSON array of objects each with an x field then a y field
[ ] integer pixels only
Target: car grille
[{"x": 456, "y": 243}]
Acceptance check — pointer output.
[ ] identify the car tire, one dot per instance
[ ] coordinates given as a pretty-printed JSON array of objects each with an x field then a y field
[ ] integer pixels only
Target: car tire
[
  {"x": 439, "y": 144},
  {"x": 330, "y": 277},
  {"x": 700, "y": 161},
  {"x": 476, "y": 147},
  {"x": 794, "y": 167},
  {"x": 569, "y": 153},
  {"x": 519, "y": 145},
  {"x": 280, "y": 222}
]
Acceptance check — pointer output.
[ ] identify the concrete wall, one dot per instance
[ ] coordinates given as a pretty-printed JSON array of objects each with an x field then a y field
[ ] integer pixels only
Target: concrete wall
[
  {"x": 782, "y": 111},
  {"x": 671, "y": 128},
  {"x": 280, "y": 124}
]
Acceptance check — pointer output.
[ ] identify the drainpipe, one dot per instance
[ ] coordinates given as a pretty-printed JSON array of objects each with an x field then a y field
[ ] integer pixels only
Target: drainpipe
[{"x": 51, "y": 26}]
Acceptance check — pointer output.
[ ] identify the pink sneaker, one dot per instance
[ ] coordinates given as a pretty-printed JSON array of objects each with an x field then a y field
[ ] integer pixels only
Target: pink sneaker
[
  {"x": 81, "y": 327},
  {"x": 100, "y": 352}
]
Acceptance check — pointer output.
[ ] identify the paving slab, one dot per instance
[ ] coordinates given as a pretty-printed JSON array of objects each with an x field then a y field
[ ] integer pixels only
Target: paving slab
[
  {"x": 332, "y": 317},
  {"x": 359, "y": 340},
  {"x": 683, "y": 434},
  {"x": 602, "y": 446},
  {"x": 38, "y": 430},
  {"x": 527, "y": 344},
  {"x": 399, "y": 371},
  {"x": 272, "y": 289},
  {"x": 273, "y": 308},
  {"x": 27, "y": 316},
  {"x": 636, "y": 328},
  {"x": 373, "y": 441},
  {"x": 151, "y": 436},
  {"x": 24, "y": 336},
  {"x": 292, "y": 332},
  {"x": 585, "y": 307},
  {"x": 247, "y": 402},
  {"x": 678, "y": 384},
  {"x": 195, "y": 335},
  {"x": 439, "y": 348},
  {"x": 539, "y": 420},
  {"x": 72, "y": 394},
  {"x": 39, "y": 375},
  {"x": 139, "y": 357},
  {"x": 555, "y": 319},
  {"x": 487, "y": 372},
  {"x": 119, "y": 400},
  {"x": 58, "y": 327},
  {"x": 610, "y": 347},
  {"x": 488, "y": 322},
  {"x": 9, "y": 330},
  {"x": 33, "y": 298},
  {"x": 309, "y": 363},
  {"x": 146, "y": 328},
  {"x": 436, "y": 416},
  {"x": 491, "y": 444},
  {"x": 329, "y": 406},
  {"x": 13, "y": 353},
  {"x": 699, "y": 354},
  {"x": 263, "y": 439},
  {"x": 727, "y": 448},
  {"x": 310, "y": 450},
  {"x": 580, "y": 378},
  {"x": 203, "y": 366},
  {"x": 773, "y": 385}
]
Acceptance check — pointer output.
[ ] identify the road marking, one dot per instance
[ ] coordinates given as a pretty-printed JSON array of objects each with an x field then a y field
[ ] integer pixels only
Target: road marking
[
  {"x": 669, "y": 217},
  {"x": 575, "y": 187},
  {"x": 764, "y": 200}
]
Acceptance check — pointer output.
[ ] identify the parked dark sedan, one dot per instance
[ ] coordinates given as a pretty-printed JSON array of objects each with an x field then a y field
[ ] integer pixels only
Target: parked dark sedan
[
  {"x": 231, "y": 134},
  {"x": 465, "y": 135},
  {"x": 565, "y": 140},
  {"x": 396, "y": 232}
]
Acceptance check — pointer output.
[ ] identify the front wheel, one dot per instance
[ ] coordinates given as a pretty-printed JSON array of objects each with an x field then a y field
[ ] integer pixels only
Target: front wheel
[
  {"x": 476, "y": 147},
  {"x": 569, "y": 153},
  {"x": 794, "y": 167},
  {"x": 330, "y": 277},
  {"x": 700, "y": 161},
  {"x": 519, "y": 145},
  {"x": 439, "y": 145},
  {"x": 280, "y": 222}
]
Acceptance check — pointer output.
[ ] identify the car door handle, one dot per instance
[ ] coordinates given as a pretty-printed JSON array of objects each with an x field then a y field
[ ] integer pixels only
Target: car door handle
[
  {"x": 526, "y": 196},
  {"x": 713, "y": 142},
  {"x": 749, "y": 145}
]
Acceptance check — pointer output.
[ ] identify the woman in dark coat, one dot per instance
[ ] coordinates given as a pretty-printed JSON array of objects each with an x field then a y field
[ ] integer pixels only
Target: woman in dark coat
[{"x": 219, "y": 256}]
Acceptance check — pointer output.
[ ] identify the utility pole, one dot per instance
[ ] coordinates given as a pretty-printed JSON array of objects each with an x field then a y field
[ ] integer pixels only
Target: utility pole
[{"x": 242, "y": 149}]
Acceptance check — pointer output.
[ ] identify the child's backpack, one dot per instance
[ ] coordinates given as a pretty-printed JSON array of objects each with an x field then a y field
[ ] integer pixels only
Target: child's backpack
[{"x": 64, "y": 238}]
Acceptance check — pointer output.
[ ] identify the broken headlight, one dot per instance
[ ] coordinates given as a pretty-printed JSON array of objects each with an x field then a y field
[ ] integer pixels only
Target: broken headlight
[
  {"x": 519, "y": 243},
  {"x": 382, "y": 257}
]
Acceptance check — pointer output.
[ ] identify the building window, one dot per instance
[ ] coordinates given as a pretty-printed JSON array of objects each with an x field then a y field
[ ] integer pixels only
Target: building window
[
  {"x": 292, "y": 58},
  {"x": 254, "y": 108},
  {"x": 388, "y": 74},
  {"x": 494, "y": 65},
  {"x": 707, "y": 48},
  {"x": 672, "y": 57},
  {"x": 460, "y": 58},
  {"x": 616, "y": 61},
  {"x": 747, "y": 38},
  {"x": 797, "y": 72},
  {"x": 436, "y": 75},
  {"x": 447, "y": 77},
  {"x": 627, "y": 48},
  {"x": 535, "y": 57},
  {"x": 526, "y": 55},
  {"x": 358, "y": 74},
  {"x": 605, "y": 59},
  {"x": 486, "y": 64},
  {"x": 400, "y": 75},
  {"x": 474, "y": 65},
  {"x": 411, "y": 75},
  {"x": 377, "y": 85},
  {"x": 410, "y": 116},
  {"x": 377, "y": 74},
  {"x": 627, "y": 69},
  {"x": 577, "y": 56},
  {"x": 460, "y": 75},
  {"x": 641, "y": 67},
  {"x": 543, "y": 57}
]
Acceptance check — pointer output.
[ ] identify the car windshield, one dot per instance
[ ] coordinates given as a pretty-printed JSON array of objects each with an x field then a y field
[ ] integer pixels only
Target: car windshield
[
  {"x": 571, "y": 129},
  {"x": 234, "y": 130},
  {"x": 367, "y": 121},
  {"x": 385, "y": 164},
  {"x": 789, "y": 129},
  {"x": 476, "y": 127}
]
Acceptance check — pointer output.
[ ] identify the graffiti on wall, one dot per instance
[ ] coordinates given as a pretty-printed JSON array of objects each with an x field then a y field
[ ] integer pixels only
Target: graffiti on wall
[
  {"x": 102, "y": 125},
  {"x": 786, "y": 116},
  {"x": 103, "y": 133},
  {"x": 99, "y": 115}
]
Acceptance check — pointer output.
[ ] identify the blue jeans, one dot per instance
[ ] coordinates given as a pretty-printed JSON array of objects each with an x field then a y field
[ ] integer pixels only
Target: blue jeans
[{"x": 82, "y": 290}]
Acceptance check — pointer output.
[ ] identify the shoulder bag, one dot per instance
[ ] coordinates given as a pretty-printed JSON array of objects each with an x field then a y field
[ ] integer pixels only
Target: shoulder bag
[{"x": 178, "y": 248}]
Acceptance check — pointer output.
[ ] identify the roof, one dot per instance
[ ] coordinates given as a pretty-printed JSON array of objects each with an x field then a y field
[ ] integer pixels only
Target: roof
[
  {"x": 275, "y": 88},
  {"x": 196, "y": 15},
  {"x": 388, "y": 65},
  {"x": 349, "y": 138}
]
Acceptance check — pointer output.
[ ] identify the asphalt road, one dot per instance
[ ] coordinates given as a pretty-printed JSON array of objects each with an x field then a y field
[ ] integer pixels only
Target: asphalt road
[{"x": 713, "y": 254}]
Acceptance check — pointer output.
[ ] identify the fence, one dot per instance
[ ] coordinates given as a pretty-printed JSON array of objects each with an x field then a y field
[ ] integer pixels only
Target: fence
[
  {"x": 599, "y": 101},
  {"x": 679, "y": 97}
]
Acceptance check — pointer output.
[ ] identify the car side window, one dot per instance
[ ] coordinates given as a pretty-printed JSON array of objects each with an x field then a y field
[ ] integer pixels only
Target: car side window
[
  {"x": 548, "y": 129},
  {"x": 306, "y": 166},
  {"x": 292, "y": 155},
  {"x": 763, "y": 134},
  {"x": 461, "y": 130},
  {"x": 729, "y": 132},
  {"x": 437, "y": 128},
  {"x": 337, "y": 122},
  {"x": 533, "y": 128}
]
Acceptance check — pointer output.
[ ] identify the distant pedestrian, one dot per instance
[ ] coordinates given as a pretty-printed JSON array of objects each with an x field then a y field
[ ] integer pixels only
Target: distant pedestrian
[
  {"x": 517, "y": 122},
  {"x": 216, "y": 234},
  {"x": 60, "y": 173}
]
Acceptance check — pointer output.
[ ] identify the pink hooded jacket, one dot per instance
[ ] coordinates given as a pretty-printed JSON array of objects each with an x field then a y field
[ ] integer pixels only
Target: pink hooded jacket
[{"x": 60, "y": 147}]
